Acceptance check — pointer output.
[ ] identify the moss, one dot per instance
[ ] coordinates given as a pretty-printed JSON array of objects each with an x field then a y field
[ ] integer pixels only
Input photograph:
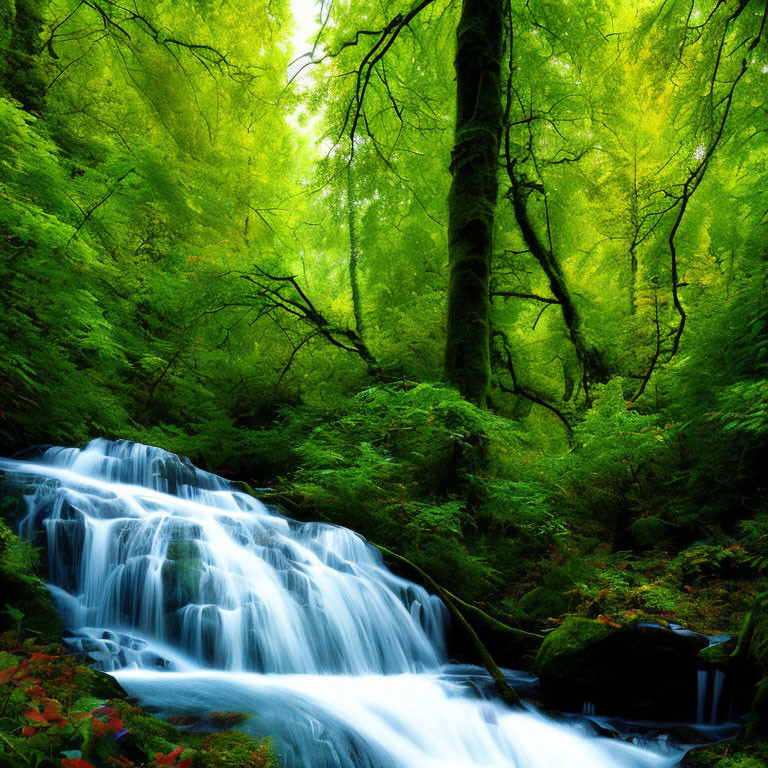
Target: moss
[
  {"x": 570, "y": 639},
  {"x": 719, "y": 655},
  {"x": 728, "y": 754},
  {"x": 181, "y": 574},
  {"x": 149, "y": 733},
  {"x": 237, "y": 750},
  {"x": 542, "y": 603},
  {"x": 758, "y": 647}
]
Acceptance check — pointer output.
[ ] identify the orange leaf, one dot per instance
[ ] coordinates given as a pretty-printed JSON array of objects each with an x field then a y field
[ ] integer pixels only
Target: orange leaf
[
  {"x": 6, "y": 675},
  {"x": 100, "y": 730},
  {"x": 170, "y": 758},
  {"x": 52, "y": 714},
  {"x": 35, "y": 716},
  {"x": 35, "y": 692}
]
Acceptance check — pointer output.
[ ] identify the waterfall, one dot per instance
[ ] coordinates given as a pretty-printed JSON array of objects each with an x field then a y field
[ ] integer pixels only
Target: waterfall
[
  {"x": 197, "y": 597},
  {"x": 717, "y": 690},
  {"x": 718, "y": 680},
  {"x": 701, "y": 698}
]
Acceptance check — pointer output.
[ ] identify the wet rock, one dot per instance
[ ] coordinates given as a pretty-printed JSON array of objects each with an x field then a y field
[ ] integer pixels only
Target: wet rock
[
  {"x": 718, "y": 656},
  {"x": 183, "y": 721},
  {"x": 226, "y": 720},
  {"x": 640, "y": 672}
]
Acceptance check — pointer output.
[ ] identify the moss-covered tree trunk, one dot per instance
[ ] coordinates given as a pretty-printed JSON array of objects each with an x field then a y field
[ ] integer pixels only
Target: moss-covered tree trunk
[
  {"x": 354, "y": 253},
  {"x": 472, "y": 198}
]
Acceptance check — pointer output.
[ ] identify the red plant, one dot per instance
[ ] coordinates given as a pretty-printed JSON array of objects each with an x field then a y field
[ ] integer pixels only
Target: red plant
[
  {"x": 105, "y": 720},
  {"x": 50, "y": 715},
  {"x": 171, "y": 758},
  {"x": 7, "y": 674}
]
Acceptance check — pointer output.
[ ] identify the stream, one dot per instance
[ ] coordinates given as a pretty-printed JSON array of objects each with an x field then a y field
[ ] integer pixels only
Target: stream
[{"x": 196, "y": 597}]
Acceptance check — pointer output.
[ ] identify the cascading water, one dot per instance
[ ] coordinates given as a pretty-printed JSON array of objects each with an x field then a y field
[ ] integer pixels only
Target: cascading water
[
  {"x": 196, "y": 597},
  {"x": 718, "y": 680}
]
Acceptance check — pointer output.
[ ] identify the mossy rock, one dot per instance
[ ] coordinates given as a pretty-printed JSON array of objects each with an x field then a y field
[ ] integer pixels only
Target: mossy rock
[
  {"x": 648, "y": 532},
  {"x": 631, "y": 671},
  {"x": 542, "y": 603},
  {"x": 149, "y": 734},
  {"x": 552, "y": 598},
  {"x": 181, "y": 575},
  {"x": 718, "y": 655},
  {"x": 563, "y": 578},
  {"x": 92, "y": 682},
  {"x": 751, "y": 662},
  {"x": 728, "y": 754},
  {"x": 235, "y": 749},
  {"x": 575, "y": 636}
]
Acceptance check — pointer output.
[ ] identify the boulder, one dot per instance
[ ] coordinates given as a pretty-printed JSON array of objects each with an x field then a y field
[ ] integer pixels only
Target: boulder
[{"x": 638, "y": 671}]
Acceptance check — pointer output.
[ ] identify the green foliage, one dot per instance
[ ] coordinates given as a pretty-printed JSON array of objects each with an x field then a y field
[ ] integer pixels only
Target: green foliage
[
  {"x": 399, "y": 465},
  {"x": 27, "y": 607},
  {"x": 52, "y": 712},
  {"x": 175, "y": 269},
  {"x": 619, "y": 455}
]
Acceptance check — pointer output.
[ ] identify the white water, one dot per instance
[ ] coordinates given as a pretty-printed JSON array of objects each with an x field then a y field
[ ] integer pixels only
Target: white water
[
  {"x": 718, "y": 679},
  {"x": 702, "y": 685},
  {"x": 198, "y": 598}
]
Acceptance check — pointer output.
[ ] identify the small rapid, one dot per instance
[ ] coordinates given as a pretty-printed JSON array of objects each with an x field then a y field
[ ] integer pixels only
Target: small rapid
[{"x": 197, "y": 598}]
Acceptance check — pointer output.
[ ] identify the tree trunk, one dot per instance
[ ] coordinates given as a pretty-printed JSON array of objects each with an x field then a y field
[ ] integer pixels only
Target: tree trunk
[
  {"x": 634, "y": 217},
  {"x": 354, "y": 253},
  {"x": 472, "y": 198}
]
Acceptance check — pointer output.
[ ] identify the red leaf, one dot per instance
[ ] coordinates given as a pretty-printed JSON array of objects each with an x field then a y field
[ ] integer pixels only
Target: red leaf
[
  {"x": 100, "y": 730},
  {"x": 115, "y": 723},
  {"x": 76, "y": 762},
  {"x": 170, "y": 758},
  {"x": 35, "y": 692},
  {"x": 28, "y": 730},
  {"x": 41, "y": 657},
  {"x": 7, "y": 674},
  {"x": 35, "y": 716},
  {"x": 52, "y": 714}
]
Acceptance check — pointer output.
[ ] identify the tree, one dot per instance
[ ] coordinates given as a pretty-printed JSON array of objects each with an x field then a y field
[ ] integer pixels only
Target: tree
[{"x": 472, "y": 198}]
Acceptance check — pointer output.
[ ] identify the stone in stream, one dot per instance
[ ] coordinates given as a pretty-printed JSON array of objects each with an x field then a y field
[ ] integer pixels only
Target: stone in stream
[{"x": 639, "y": 672}]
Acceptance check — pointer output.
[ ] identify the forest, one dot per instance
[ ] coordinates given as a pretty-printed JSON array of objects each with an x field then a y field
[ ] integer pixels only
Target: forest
[{"x": 484, "y": 281}]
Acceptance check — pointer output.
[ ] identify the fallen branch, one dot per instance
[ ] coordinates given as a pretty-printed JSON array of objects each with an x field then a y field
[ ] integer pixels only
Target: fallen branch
[{"x": 506, "y": 691}]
